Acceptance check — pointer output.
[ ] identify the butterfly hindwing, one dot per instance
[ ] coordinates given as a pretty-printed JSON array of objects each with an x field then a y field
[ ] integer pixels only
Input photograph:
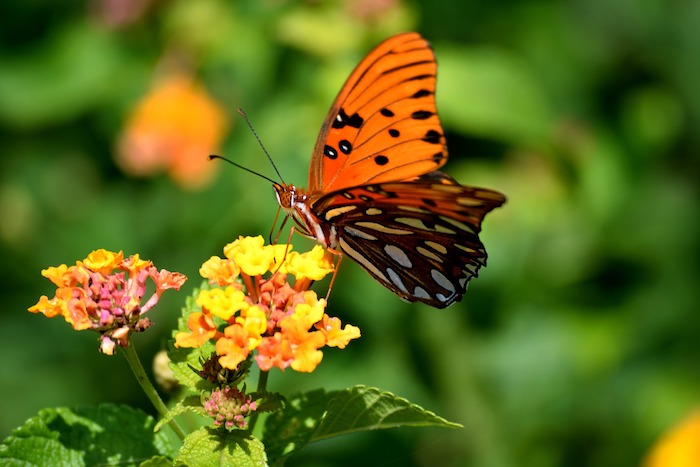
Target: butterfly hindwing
[
  {"x": 419, "y": 239},
  {"x": 383, "y": 126}
]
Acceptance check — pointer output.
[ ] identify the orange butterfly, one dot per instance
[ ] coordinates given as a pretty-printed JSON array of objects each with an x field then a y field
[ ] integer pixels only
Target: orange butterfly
[{"x": 374, "y": 192}]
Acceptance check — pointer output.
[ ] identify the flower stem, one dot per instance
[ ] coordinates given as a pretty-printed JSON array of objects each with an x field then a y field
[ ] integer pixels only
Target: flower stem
[
  {"x": 135, "y": 363},
  {"x": 262, "y": 387}
]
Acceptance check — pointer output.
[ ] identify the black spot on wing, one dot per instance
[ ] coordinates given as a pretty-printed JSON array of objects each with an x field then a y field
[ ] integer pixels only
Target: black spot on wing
[
  {"x": 421, "y": 115},
  {"x": 431, "y": 136},
  {"x": 381, "y": 160},
  {"x": 329, "y": 152}
]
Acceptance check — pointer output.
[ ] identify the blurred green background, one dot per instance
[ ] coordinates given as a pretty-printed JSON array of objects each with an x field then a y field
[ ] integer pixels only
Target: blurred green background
[{"x": 579, "y": 343}]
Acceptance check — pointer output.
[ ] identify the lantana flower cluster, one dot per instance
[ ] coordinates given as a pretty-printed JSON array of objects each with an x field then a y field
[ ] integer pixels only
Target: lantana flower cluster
[
  {"x": 255, "y": 308},
  {"x": 104, "y": 293},
  {"x": 229, "y": 407}
]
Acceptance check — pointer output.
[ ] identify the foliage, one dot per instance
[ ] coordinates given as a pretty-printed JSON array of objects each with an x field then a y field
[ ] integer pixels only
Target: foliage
[{"x": 577, "y": 345}]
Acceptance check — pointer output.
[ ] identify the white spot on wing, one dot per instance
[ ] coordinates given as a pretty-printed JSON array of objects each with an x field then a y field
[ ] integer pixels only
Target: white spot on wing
[
  {"x": 396, "y": 280},
  {"x": 419, "y": 292},
  {"x": 358, "y": 233},
  {"x": 442, "y": 298},
  {"x": 442, "y": 280},
  {"x": 398, "y": 255}
]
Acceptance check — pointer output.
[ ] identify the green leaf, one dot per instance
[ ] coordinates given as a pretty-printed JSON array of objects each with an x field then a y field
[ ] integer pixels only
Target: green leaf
[
  {"x": 210, "y": 447},
  {"x": 157, "y": 461},
  {"x": 318, "y": 415},
  {"x": 499, "y": 95},
  {"x": 289, "y": 430},
  {"x": 188, "y": 404},
  {"x": 361, "y": 408},
  {"x": 108, "y": 434},
  {"x": 182, "y": 360},
  {"x": 41, "y": 88}
]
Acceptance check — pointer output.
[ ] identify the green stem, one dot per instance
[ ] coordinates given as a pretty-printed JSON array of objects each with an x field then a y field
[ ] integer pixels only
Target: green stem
[
  {"x": 262, "y": 387},
  {"x": 135, "y": 363}
]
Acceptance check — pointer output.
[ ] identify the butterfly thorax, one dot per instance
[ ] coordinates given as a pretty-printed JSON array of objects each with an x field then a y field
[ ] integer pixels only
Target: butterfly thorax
[{"x": 296, "y": 202}]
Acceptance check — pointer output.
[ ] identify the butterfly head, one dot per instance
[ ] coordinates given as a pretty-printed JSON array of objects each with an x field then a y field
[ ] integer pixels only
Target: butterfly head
[{"x": 289, "y": 196}]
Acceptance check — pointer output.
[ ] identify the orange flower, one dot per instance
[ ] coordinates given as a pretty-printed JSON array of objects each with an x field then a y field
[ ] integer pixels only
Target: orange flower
[
  {"x": 202, "y": 329},
  {"x": 173, "y": 128},
  {"x": 335, "y": 336}
]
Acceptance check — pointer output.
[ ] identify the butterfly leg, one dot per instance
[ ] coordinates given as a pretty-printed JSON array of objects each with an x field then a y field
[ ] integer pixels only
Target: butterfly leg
[
  {"x": 330, "y": 252},
  {"x": 289, "y": 247}
]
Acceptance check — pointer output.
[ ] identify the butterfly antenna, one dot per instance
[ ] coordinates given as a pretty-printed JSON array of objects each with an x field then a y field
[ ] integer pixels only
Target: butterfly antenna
[
  {"x": 215, "y": 156},
  {"x": 250, "y": 125}
]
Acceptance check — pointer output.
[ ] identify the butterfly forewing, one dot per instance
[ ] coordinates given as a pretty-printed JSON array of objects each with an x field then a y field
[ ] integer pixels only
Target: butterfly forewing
[
  {"x": 419, "y": 239},
  {"x": 383, "y": 126}
]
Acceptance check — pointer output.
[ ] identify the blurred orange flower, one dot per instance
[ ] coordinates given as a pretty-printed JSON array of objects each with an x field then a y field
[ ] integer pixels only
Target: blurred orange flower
[
  {"x": 173, "y": 128},
  {"x": 679, "y": 446}
]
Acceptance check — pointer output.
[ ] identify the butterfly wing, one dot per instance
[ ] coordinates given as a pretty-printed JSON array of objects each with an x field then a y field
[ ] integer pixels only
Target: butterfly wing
[
  {"x": 420, "y": 239},
  {"x": 383, "y": 126}
]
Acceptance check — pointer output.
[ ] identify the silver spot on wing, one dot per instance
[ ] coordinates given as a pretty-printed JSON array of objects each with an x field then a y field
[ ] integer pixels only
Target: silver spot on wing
[
  {"x": 358, "y": 233},
  {"x": 419, "y": 292},
  {"x": 398, "y": 255},
  {"x": 441, "y": 280},
  {"x": 396, "y": 280}
]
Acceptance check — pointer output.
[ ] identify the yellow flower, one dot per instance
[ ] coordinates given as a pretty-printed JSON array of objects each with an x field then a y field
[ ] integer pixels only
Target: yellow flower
[
  {"x": 222, "y": 303},
  {"x": 311, "y": 311},
  {"x": 103, "y": 261},
  {"x": 255, "y": 259},
  {"x": 254, "y": 321},
  {"x": 678, "y": 447},
  {"x": 48, "y": 308},
  {"x": 308, "y": 265},
  {"x": 220, "y": 271},
  {"x": 58, "y": 275},
  {"x": 134, "y": 264}
]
